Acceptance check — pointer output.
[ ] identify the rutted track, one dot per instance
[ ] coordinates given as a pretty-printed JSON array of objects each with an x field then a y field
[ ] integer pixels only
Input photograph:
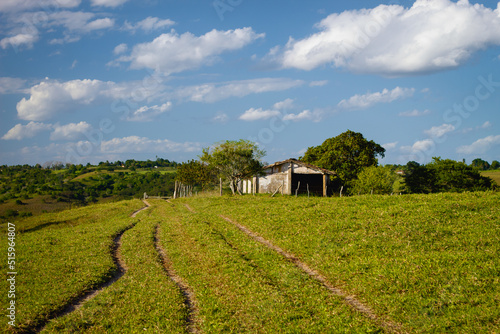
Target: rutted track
[
  {"x": 77, "y": 302},
  {"x": 189, "y": 299},
  {"x": 387, "y": 325}
]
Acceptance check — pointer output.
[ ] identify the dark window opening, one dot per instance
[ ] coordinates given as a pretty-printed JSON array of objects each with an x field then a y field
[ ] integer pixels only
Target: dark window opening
[{"x": 315, "y": 182}]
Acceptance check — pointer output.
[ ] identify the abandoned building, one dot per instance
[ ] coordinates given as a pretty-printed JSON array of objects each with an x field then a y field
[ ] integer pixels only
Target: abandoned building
[{"x": 289, "y": 177}]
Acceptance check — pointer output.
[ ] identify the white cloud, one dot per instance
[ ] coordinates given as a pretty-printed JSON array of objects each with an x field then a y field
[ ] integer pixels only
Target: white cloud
[
  {"x": 30, "y": 130},
  {"x": 22, "y": 5},
  {"x": 19, "y": 40},
  {"x": 221, "y": 118},
  {"x": 439, "y": 131},
  {"x": 108, "y": 3},
  {"x": 258, "y": 114},
  {"x": 390, "y": 146},
  {"x": 173, "y": 53},
  {"x": 213, "y": 92},
  {"x": 284, "y": 105},
  {"x": 71, "y": 131},
  {"x": 419, "y": 146},
  {"x": 77, "y": 21},
  {"x": 415, "y": 113},
  {"x": 486, "y": 125},
  {"x": 392, "y": 40},
  {"x": 121, "y": 48},
  {"x": 318, "y": 83},
  {"x": 135, "y": 144},
  {"x": 148, "y": 24},
  {"x": 148, "y": 114},
  {"x": 480, "y": 146},
  {"x": 370, "y": 99},
  {"x": 304, "y": 115},
  {"x": 11, "y": 85},
  {"x": 51, "y": 97}
]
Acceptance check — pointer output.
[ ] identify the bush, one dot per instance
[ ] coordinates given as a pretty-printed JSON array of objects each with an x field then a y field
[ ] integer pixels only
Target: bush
[
  {"x": 19, "y": 202},
  {"x": 376, "y": 180}
]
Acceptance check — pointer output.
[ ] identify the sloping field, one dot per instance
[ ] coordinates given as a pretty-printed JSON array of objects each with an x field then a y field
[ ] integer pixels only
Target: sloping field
[{"x": 416, "y": 264}]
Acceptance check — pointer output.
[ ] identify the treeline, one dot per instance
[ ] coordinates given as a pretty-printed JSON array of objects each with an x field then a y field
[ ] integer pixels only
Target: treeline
[{"x": 87, "y": 184}]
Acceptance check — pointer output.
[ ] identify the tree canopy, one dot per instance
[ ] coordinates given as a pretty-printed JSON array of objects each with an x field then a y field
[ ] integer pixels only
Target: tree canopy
[
  {"x": 234, "y": 160},
  {"x": 346, "y": 154}
]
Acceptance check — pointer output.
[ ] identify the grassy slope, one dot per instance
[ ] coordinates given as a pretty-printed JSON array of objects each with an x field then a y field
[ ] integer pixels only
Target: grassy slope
[
  {"x": 428, "y": 262},
  {"x": 60, "y": 255}
]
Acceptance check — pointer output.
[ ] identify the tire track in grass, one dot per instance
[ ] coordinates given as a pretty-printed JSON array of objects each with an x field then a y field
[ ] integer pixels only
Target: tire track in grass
[
  {"x": 121, "y": 268},
  {"x": 185, "y": 290},
  {"x": 357, "y": 305}
]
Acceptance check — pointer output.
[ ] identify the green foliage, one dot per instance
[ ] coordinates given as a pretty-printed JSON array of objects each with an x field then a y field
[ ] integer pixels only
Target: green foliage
[
  {"x": 480, "y": 164},
  {"x": 375, "y": 180},
  {"x": 495, "y": 165},
  {"x": 444, "y": 175},
  {"x": 234, "y": 160},
  {"x": 346, "y": 154},
  {"x": 195, "y": 173}
]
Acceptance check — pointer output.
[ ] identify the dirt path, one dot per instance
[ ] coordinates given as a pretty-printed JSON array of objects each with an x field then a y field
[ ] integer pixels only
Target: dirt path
[
  {"x": 357, "y": 305},
  {"x": 141, "y": 209},
  {"x": 121, "y": 268},
  {"x": 78, "y": 302},
  {"x": 185, "y": 290}
]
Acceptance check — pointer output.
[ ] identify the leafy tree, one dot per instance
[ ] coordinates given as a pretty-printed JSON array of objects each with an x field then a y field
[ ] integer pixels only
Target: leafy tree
[
  {"x": 480, "y": 164},
  {"x": 376, "y": 180},
  {"x": 234, "y": 160},
  {"x": 444, "y": 175},
  {"x": 419, "y": 179},
  {"x": 346, "y": 154},
  {"x": 456, "y": 176},
  {"x": 495, "y": 165},
  {"x": 195, "y": 173}
]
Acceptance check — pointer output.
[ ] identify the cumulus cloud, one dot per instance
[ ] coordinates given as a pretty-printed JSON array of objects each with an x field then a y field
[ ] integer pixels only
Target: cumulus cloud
[
  {"x": 414, "y": 113},
  {"x": 284, "y": 105},
  {"x": 370, "y": 99},
  {"x": 213, "y": 92},
  {"x": 258, "y": 114},
  {"x": 392, "y": 40},
  {"x": 304, "y": 115},
  {"x": 19, "y": 40},
  {"x": 148, "y": 24},
  {"x": 439, "y": 131},
  {"x": 419, "y": 146},
  {"x": 51, "y": 97},
  {"x": 173, "y": 53},
  {"x": 148, "y": 114},
  {"x": 136, "y": 144},
  {"x": 30, "y": 130},
  {"x": 480, "y": 146},
  {"x": 71, "y": 131},
  {"x": 318, "y": 83}
]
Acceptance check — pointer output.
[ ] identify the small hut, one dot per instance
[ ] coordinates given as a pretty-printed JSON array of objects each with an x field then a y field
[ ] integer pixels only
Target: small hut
[{"x": 289, "y": 177}]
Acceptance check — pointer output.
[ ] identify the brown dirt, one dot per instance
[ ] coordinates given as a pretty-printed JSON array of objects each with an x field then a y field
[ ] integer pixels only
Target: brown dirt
[{"x": 185, "y": 290}]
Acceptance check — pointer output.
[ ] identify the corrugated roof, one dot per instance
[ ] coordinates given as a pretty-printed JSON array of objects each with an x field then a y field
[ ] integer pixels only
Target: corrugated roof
[{"x": 298, "y": 162}]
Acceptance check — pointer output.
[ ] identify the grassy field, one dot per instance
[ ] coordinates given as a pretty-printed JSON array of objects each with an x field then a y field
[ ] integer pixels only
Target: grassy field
[
  {"x": 423, "y": 263},
  {"x": 494, "y": 174}
]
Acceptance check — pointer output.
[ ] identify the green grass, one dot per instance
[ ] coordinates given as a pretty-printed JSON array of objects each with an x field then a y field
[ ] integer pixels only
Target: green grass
[
  {"x": 429, "y": 262},
  {"x": 242, "y": 286},
  {"x": 144, "y": 299},
  {"x": 59, "y": 256},
  {"x": 494, "y": 174}
]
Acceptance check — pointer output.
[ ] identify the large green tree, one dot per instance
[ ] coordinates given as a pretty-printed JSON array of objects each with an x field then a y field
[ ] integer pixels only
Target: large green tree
[
  {"x": 346, "y": 154},
  {"x": 234, "y": 160},
  {"x": 195, "y": 173}
]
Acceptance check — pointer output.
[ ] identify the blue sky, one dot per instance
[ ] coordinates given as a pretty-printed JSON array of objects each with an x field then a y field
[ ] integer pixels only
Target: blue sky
[{"x": 94, "y": 80}]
